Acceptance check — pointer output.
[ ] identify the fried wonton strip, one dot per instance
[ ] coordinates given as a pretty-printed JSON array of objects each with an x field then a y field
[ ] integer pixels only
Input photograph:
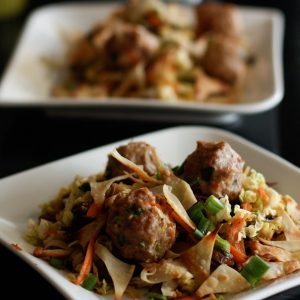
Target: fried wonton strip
[
  {"x": 198, "y": 258},
  {"x": 133, "y": 167},
  {"x": 99, "y": 189},
  {"x": 165, "y": 270},
  {"x": 291, "y": 230},
  {"x": 279, "y": 269},
  {"x": 182, "y": 190},
  {"x": 292, "y": 207},
  {"x": 292, "y": 246},
  {"x": 223, "y": 280},
  {"x": 178, "y": 208},
  {"x": 120, "y": 272},
  {"x": 270, "y": 253}
]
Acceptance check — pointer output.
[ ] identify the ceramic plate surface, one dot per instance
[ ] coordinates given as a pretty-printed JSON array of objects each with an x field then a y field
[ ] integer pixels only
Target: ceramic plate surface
[
  {"x": 21, "y": 194},
  {"x": 28, "y": 80}
]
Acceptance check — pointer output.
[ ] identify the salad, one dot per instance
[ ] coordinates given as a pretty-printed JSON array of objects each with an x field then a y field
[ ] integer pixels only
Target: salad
[
  {"x": 155, "y": 50},
  {"x": 203, "y": 229}
]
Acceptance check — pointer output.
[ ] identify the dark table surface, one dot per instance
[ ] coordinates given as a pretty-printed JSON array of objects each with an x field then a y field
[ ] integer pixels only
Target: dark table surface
[{"x": 33, "y": 136}]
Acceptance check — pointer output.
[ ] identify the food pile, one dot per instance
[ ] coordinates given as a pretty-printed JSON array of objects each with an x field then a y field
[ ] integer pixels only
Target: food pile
[
  {"x": 208, "y": 227},
  {"x": 153, "y": 50}
]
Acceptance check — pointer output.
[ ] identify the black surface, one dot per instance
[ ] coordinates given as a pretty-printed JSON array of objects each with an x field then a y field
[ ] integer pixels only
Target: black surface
[{"x": 30, "y": 137}]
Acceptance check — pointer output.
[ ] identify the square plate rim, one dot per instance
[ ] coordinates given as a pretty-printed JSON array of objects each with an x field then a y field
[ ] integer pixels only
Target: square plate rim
[
  {"x": 282, "y": 284},
  {"x": 261, "y": 105}
]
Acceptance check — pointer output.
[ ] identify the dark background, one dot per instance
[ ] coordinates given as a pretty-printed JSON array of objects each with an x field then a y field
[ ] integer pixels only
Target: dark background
[{"x": 33, "y": 136}]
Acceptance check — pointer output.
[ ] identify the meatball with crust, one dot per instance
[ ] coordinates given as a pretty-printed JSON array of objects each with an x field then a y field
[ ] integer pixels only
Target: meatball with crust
[
  {"x": 140, "y": 230},
  {"x": 215, "y": 169},
  {"x": 217, "y": 18},
  {"x": 223, "y": 60},
  {"x": 138, "y": 152}
]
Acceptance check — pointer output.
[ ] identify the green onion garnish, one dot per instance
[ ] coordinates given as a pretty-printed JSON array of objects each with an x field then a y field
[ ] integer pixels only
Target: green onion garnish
[
  {"x": 198, "y": 234},
  {"x": 213, "y": 205},
  {"x": 254, "y": 270},
  {"x": 90, "y": 282},
  {"x": 195, "y": 212},
  {"x": 222, "y": 244},
  {"x": 56, "y": 263},
  {"x": 204, "y": 225},
  {"x": 155, "y": 296}
]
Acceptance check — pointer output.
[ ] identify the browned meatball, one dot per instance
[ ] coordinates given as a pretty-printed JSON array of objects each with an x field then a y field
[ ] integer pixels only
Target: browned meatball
[
  {"x": 216, "y": 168},
  {"x": 138, "y": 152},
  {"x": 217, "y": 18},
  {"x": 138, "y": 227},
  {"x": 223, "y": 59}
]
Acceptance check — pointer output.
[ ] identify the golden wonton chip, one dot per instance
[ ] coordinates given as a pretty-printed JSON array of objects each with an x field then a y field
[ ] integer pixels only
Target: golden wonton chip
[
  {"x": 223, "y": 280},
  {"x": 120, "y": 272},
  {"x": 198, "y": 258}
]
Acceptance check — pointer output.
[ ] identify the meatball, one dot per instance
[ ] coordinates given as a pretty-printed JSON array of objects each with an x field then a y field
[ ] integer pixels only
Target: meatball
[
  {"x": 217, "y": 18},
  {"x": 223, "y": 59},
  {"x": 138, "y": 152},
  {"x": 215, "y": 168},
  {"x": 139, "y": 228}
]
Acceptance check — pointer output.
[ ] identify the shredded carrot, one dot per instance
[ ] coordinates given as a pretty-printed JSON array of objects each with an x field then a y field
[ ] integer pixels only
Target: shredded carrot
[
  {"x": 178, "y": 219},
  {"x": 42, "y": 252},
  {"x": 87, "y": 263},
  {"x": 263, "y": 195},
  {"x": 247, "y": 206},
  {"x": 93, "y": 210},
  {"x": 16, "y": 247},
  {"x": 236, "y": 225},
  {"x": 238, "y": 256}
]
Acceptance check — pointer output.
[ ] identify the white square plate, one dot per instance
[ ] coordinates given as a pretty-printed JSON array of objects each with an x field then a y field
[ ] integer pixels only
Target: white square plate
[
  {"x": 27, "y": 80},
  {"x": 40, "y": 184}
]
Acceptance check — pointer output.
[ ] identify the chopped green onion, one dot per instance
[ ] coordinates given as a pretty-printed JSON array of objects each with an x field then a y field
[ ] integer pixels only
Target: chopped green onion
[
  {"x": 158, "y": 176},
  {"x": 222, "y": 244},
  {"x": 195, "y": 212},
  {"x": 254, "y": 270},
  {"x": 56, "y": 263},
  {"x": 213, "y": 205},
  {"x": 155, "y": 296},
  {"x": 198, "y": 234},
  {"x": 90, "y": 282},
  {"x": 204, "y": 225},
  {"x": 220, "y": 296}
]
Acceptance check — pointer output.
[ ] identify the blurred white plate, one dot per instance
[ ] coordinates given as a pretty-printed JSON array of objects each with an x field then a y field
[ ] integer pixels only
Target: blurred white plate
[
  {"x": 27, "y": 80},
  {"x": 21, "y": 194}
]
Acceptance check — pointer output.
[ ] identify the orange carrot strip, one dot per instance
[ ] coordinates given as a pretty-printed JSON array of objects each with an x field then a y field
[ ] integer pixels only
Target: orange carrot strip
[
  {"x": 87, "y": 263},
  {"x": 93, "y": 210},
  {"x": 238, "y": 256},
  {"x": 236, "y": 225},
  {"x": 16, "y": 246},
  {"x": 263, "y": 195},
  {"x": 178, "y": 219},
  {"x": 247, "y": 206}
]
